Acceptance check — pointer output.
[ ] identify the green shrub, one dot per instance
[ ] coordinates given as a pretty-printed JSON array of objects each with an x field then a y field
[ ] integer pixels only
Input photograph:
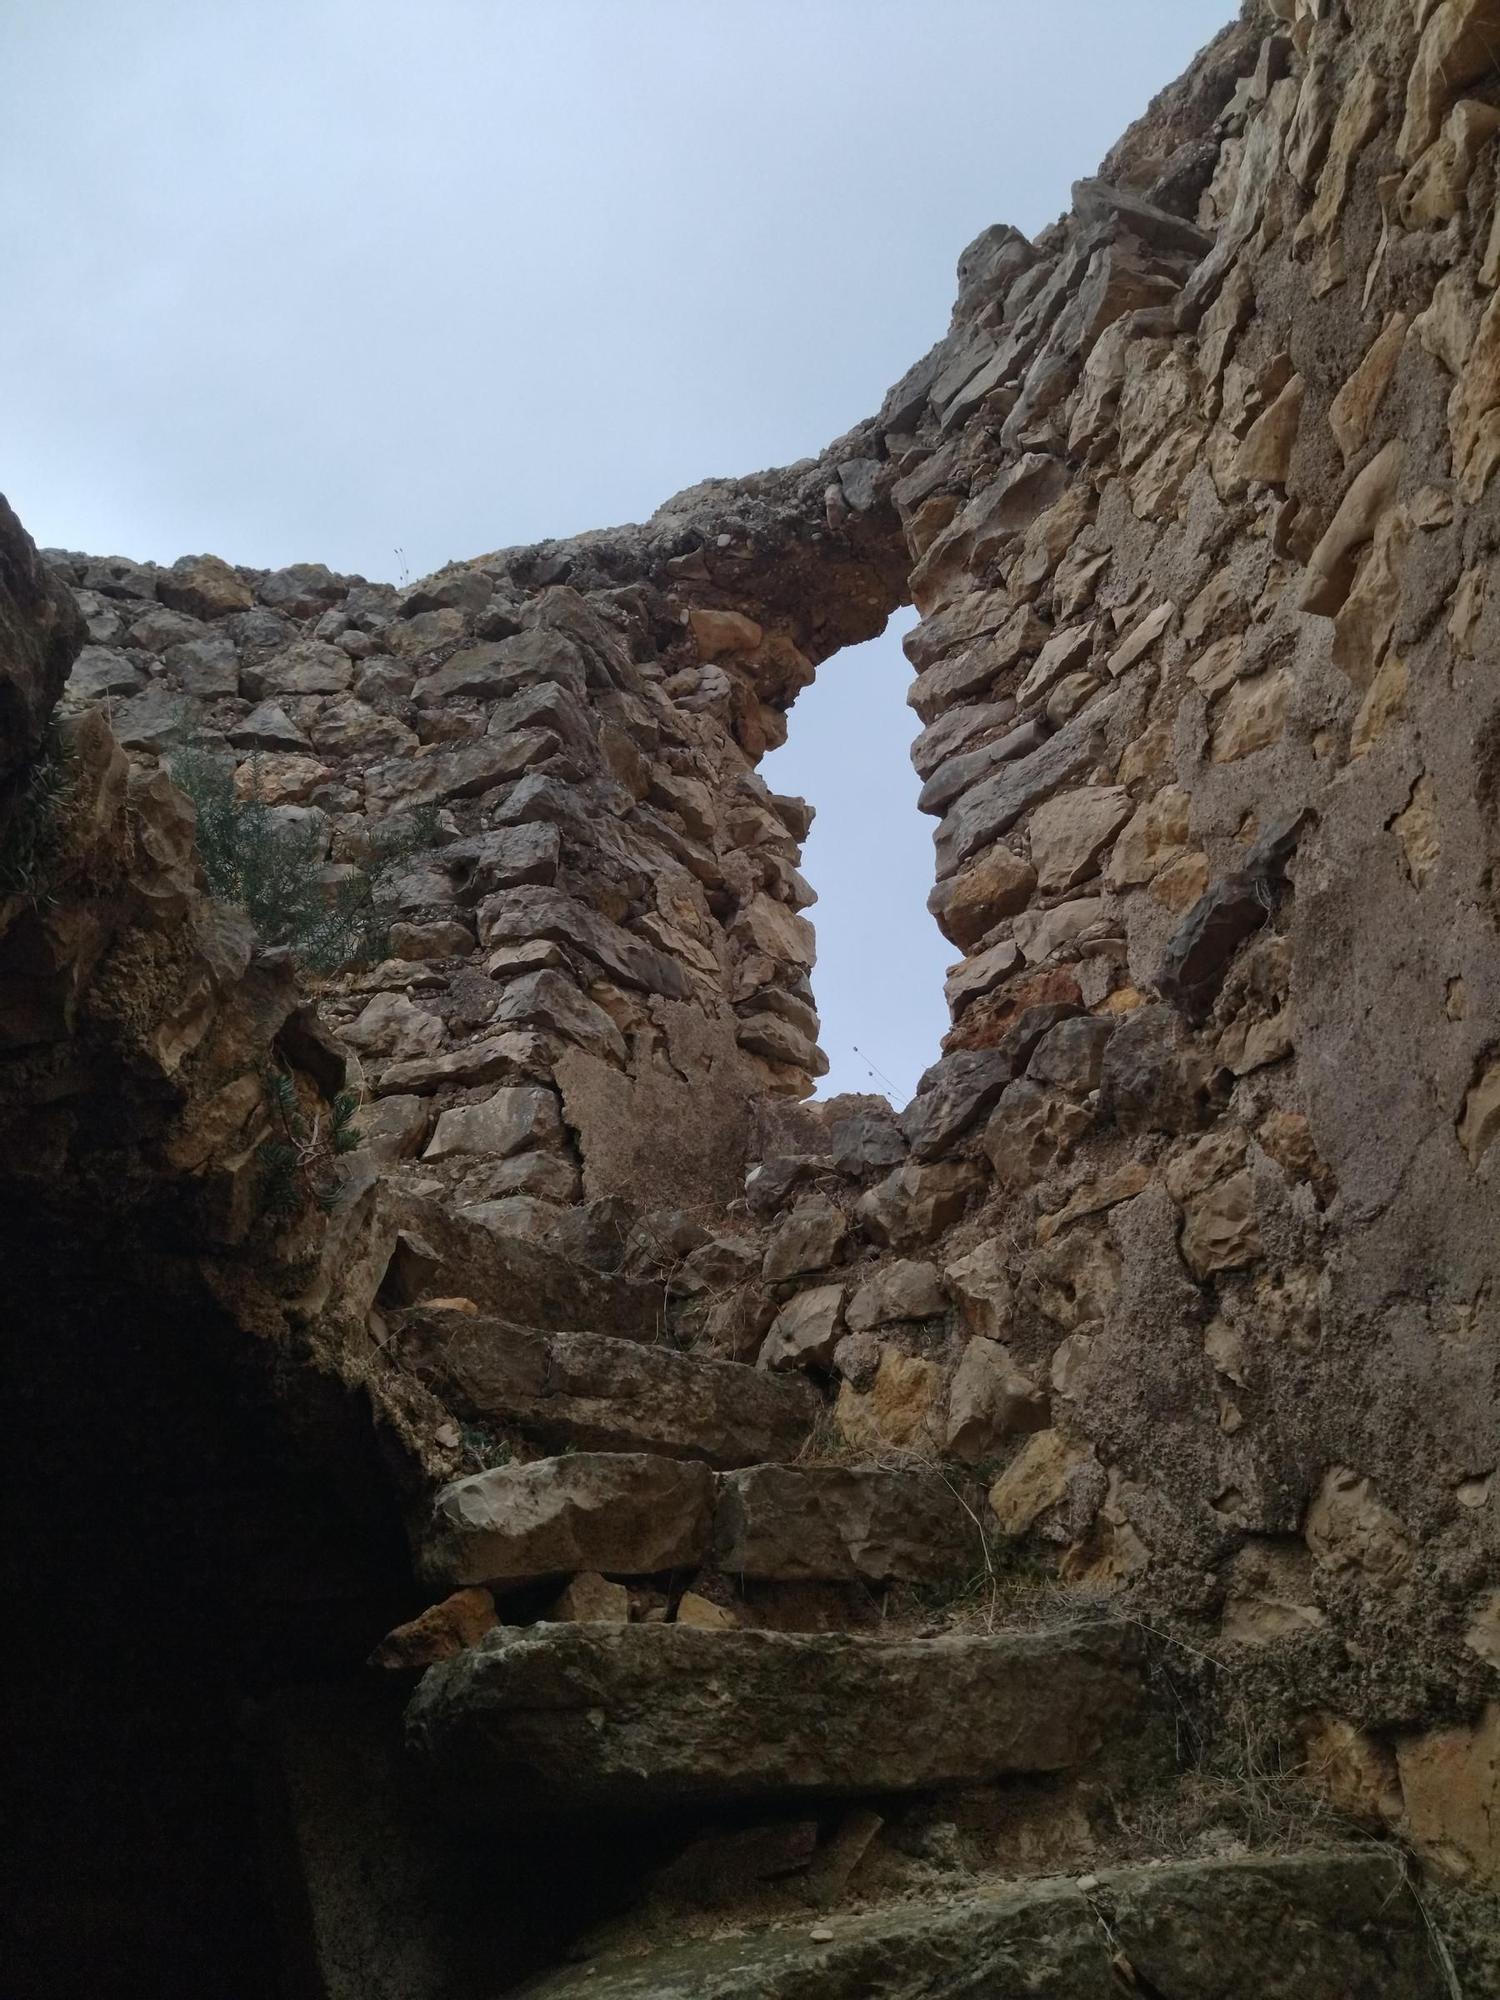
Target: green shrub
[
  {"x": 270, "y": 869},
  {"x": 32, "y": 831},
  {"x": 301, "y": 1164}
]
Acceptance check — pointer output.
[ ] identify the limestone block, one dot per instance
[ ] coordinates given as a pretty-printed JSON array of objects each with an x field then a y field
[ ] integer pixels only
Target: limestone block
[
  {"x": 512, "y": 1120},
  {"x": 1458, "y": 46},
  {"x": 981, "y": 1283},
  {"x": 806, "y": 1330},
  {"x": 841, "y": 1524},
  {"x": 1252, "y": 717},
  {"x": 969, "y": 904},
  {"x": 1450, "y": 1786},
  {"x": 605, "y": 1394},
  {"x": 1222, "y": 1231},
  {"x": 990, "y": 1399},
  {"x": 1069, "y": 833},
  {"x": 1074, "y": 1277},
  {"x": 1031, "y": 1131},
  {"x": 391, "y": 1024},
  {"x": 1318, "y": 1926},
  {"x": 1036, "y": 1481},
  {"x": 204, "y": 587},
  {"x": 626, "y": 1513},
  {"x": 1349, "y": 1528},
  {"x": 904, "y": 1290},
  {"x": 810, "y": 1239},
  {"x": 461, "y": 1620},
  {"x": 591, "y": 1599},
  {"x": 598, "y": 1720},
  {"x": 897, "y": 1411}
]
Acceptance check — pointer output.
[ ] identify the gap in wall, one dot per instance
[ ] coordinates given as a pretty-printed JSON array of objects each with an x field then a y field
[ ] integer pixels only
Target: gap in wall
[{"x": 881, "y": 958}]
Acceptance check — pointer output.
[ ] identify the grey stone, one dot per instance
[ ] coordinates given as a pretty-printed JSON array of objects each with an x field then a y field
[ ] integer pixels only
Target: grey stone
[
  {"x": 961, "y": 773},
  {"x": 997, "y": 802},
  {"x": 810, "y": 1239},
  {"x": 303, "y": 590},
  {"x": 502, "y": 858},
  {"x": 209, "y": 666},
  {"x": 513, "y": 1119},
  {"x": 959, "y": 730},
  {"x": 989, "y": 1400},
  {"x": 1317, "y": 1926},
  {"x": 1070, "y": 1056},
  {"x": 1152, "y": 1079},
  {"x": 394, "y": 1127},
  {"x": 99, "y": 671},
  {"x": 1031, "y": 1131},
  {"x": 866, "y": 1142},
  {"x": 307, "y": 666},
  {"x": 515, "y": 916},
  {"x": 605, "y": 1394},
  {"x": 1099, "y": 201},
  {"x": 552, "y": 1004},
  {"x": 953, "y": 1095},
  {"x": 504, "y": 1058},
  {"x": 806, "y": 1330},
  {"x": 839, "y": 1524},
  {"x": 268, "y": 727},
  {"x": 620, "y": 1513},
  {"x": 157, "y": 629},
  {"x": 117, "y": 576},
  {"x": 159, "y": 718},
  {"x": 258, "y": 633},
  {"x": 598, "y": 1720},
  {"x": 907, "y": 1289}
]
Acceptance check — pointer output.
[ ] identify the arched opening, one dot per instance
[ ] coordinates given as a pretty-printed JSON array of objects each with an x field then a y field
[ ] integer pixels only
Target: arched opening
[{"x": 881, "y": 958}]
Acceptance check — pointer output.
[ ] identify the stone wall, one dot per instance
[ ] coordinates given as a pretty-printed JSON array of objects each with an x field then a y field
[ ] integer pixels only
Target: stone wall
[{"x": 1186, "y": 1243}]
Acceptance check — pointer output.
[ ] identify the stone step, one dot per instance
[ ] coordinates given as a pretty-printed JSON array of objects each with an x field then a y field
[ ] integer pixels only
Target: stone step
[
  {"x": 621, "y": 1720},
  {"x": 594, "y": 1391},
  {"x": 1326, "y": 1925},
  {"x": 440, "y": 1255},
  {"x": 843, "y": 1524},
  {"x": 640, "y": 1513}
]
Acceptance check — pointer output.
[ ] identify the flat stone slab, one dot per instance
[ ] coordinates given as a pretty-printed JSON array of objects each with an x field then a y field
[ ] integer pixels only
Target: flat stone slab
[
  {"x": 590, "y": 1390},
  {"x": 1317, "y": 1926},
  {"x": 628, "y": 1719},
  {"x": 842, "y": 1524},
  {"x": 625, "y": 1513}
]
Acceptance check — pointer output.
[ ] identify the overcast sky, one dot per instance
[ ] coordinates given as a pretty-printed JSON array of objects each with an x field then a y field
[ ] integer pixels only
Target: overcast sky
[{"x": 381, "y": 283}]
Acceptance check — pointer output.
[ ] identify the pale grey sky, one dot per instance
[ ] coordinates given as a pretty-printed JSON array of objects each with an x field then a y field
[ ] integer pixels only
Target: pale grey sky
[{"x": 329, "y": 279}]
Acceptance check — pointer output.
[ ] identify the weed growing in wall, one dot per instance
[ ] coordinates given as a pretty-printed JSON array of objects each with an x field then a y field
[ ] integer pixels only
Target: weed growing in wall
[
  {"x": 33, "y": 832},
  {"x": 271, "y": 868},
  {"x": 301, "y": 1161}
]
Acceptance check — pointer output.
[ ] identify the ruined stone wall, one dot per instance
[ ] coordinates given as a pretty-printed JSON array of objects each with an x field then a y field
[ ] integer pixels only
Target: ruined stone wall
[
  {"x": 1199, "y": 496},
  {"x": 1187, "y": 1242},
  {"x": 609, "y": 893}
]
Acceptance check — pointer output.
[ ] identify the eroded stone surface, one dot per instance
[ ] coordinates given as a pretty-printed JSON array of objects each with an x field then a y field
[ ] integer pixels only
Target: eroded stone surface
[{"x": 594, "y": 1719}]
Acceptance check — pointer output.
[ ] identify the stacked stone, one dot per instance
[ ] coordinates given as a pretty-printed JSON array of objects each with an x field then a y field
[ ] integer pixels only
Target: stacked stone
[
  {"x": 1190, "y": 1231},
  {"x": 1199, "y": 495},
  {"x": 611, "y": 914}
]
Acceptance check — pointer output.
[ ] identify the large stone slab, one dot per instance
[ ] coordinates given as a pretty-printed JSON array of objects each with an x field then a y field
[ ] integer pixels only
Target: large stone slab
[
  {"x": 621, "y": 1513},
  {"x": 1315, "y": 1926},
  {"x": 630, "y": 1719},
  {"x": 439, "y": 1255},
  {"x": 842, "y": 1524},
  {"x": 590, "y": 1390}
]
